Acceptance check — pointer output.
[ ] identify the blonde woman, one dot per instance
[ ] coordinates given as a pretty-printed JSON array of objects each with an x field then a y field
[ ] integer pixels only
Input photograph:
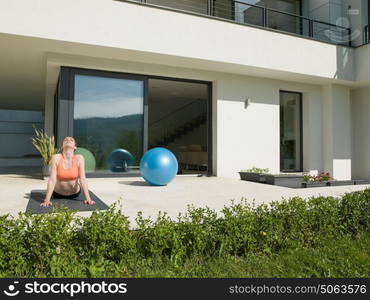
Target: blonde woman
[{"x": 65, "y": 170}]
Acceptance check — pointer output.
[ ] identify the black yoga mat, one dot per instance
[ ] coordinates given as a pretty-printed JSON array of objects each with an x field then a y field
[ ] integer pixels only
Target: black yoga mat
[{"x": 37, "y": 197}]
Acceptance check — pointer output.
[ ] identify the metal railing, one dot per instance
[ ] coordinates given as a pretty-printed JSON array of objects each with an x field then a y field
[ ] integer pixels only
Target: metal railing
[
  {"x": 169, "y": 115},
  {"x": 160, "y": 129},
  {"x": 241, "y": 12}
]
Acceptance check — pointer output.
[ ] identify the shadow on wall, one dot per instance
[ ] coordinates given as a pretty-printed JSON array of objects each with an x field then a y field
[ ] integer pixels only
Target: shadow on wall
[{"x": 259, "y": 90}]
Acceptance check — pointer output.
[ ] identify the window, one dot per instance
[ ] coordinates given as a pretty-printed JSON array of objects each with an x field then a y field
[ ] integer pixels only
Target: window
[
  {"x": 108, "y": 114},
  {"x": 290, "y": 131}
]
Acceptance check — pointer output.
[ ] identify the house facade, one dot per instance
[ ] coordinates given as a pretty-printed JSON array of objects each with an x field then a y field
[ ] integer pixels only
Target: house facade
[{"x": 226, "y": 85}]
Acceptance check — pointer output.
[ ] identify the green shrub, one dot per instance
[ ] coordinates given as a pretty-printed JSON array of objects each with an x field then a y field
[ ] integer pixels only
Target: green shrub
[
  {"x": 60, "y": 244},
  {"x": 237, "y": 229},
  {"x": 13, "y": 254},
  {"x": 105, "y": 234},
  {"x": 37, "y": 241},
  {"x": 354, "y": 212}
]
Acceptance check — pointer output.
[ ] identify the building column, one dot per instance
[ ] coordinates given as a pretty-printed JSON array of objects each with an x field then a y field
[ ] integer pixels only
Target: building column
[
  {"x": 312, "y": 132},
  {"x": 337, "y": 131}
]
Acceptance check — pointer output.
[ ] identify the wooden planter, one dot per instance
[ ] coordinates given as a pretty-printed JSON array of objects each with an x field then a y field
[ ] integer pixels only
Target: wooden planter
[{"x": 291, "y": 181}]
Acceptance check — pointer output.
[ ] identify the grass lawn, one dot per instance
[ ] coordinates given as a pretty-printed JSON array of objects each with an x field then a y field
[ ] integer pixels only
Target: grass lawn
[{"x": 344, "y": 257}]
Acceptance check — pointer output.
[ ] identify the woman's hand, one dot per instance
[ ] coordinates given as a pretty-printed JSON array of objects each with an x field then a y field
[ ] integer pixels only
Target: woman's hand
[
  {"x": 89, "y": 201},
  {"x": 46, "y": 203},
  {"x": 81, "y": 173}
]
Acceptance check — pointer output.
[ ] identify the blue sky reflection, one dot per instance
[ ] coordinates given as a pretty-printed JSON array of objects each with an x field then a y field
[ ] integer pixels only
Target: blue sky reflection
[{"x": 107, "y": 97}]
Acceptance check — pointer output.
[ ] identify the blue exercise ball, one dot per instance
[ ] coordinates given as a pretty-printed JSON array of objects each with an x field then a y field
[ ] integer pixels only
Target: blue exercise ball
[
  {"x": 158, "y": 166},
  {"x": 119, "y": 160}
]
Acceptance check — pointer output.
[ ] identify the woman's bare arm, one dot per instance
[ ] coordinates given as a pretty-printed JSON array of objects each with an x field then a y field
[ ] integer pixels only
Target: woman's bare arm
[
  {"x": 81, "y": 172},
  {"x": 51, "y": 182}
]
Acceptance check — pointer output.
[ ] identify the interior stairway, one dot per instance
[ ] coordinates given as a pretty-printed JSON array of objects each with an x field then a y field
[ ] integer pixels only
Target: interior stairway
[{"x": 180, "y": 131}]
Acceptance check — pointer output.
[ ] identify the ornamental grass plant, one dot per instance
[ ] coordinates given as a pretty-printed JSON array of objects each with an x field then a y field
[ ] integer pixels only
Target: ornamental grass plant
[{"x": 45, "y": 145}]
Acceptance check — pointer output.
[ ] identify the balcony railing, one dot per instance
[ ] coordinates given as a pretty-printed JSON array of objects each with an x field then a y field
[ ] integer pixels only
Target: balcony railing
[{"x": 261, "y": 16}]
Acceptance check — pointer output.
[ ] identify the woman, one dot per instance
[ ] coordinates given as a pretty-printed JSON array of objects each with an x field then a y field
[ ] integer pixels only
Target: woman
[{"x": 65, "y": 169}]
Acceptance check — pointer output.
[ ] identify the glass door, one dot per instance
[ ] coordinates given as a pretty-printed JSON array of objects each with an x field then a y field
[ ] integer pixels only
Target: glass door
[
  {"x": 108, "y": 112},
  {"x": 290, "y": 131},
  {"x": 108, "y": 121}
]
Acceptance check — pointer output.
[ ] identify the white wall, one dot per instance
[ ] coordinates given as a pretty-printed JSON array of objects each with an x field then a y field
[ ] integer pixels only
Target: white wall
[
  {"x": 247, "y": 137},
  {"x": 337, "y": 131},
  {"x": 360, "y": 104},
  {"x": 312, "y": 130},
  {"x": 120, "y": 25},
  {"x": 251, "y": 137}
]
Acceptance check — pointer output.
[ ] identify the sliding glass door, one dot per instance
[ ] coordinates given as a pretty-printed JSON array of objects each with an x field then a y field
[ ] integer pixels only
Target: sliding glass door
[
  {"x": 290, "y": 131},
  {"x": 108, "y": 111}
]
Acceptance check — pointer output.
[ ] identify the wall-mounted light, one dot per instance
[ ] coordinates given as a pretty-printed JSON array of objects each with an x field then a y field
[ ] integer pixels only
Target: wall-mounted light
[{"x": 247, "y": 102}]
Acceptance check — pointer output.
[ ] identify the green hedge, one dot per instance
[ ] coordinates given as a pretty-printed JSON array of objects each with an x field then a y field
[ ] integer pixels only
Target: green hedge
[{"x": 61, "y": 243}]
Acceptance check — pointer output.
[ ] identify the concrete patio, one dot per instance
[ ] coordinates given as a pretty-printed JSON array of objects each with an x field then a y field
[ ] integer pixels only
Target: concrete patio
[{"x": 136, "y": 195}]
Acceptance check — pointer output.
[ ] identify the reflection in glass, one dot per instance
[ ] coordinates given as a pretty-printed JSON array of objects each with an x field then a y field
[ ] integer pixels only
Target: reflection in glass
[
  {"x": 279, "y": 16},
  {"x": 198, "y": 6},
  {"x": 290, "y": 131},
  {"x": 108, "y": 114}
]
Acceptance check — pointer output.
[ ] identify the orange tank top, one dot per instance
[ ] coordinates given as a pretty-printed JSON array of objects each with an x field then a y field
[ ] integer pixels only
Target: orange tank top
[{"x": 67, "y": 174}]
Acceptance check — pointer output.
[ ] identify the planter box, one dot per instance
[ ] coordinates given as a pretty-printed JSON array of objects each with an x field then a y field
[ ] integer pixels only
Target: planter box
[
  {"x": 361, "y": 181},
  {"x": 314, "y": 184},
  {"x": 250, "y": 176},
  {"x": 263, "y": 178},
  {"x": 291, "y": 181},
  {"x": 340, "y": 182}
]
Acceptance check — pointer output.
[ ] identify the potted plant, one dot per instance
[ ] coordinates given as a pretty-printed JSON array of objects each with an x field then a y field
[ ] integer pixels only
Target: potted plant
[
  {"x": 316, "y": 180},
  {"x": 254, "y": 174},
  {"x": 45, "y": 145}
]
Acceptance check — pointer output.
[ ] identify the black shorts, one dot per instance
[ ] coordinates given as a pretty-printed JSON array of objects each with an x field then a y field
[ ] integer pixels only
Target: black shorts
[{"x": 56, "y": 195}]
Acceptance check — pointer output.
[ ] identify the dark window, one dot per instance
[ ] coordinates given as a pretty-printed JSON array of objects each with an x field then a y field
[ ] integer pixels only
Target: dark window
[{"x": 290, "y": 131}]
